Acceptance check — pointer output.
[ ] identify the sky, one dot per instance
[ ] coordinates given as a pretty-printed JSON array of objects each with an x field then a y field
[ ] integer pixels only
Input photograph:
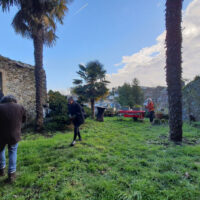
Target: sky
[{"x": 127, "y": 36}]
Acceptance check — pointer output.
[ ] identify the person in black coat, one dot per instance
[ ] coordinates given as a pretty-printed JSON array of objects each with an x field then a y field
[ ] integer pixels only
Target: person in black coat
[{"x": 77, "y": 116}]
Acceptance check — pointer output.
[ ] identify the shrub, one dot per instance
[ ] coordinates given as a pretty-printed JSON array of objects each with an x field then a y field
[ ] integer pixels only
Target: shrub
[
  {"x": 109, "y": 112},
  {"x": 88, "y": 112},
  {"x": 137, "y": 107},
  {"x": 157, "y": 122},
  {"x": 57, "y": 119}
]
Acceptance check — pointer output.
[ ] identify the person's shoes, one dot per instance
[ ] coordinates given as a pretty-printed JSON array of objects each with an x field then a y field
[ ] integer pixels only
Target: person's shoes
[
  {"x": 80, "y": 139},
  {"x": 73, "y": 143},
  {"x": 2, "y": 172},
  {"x": 11, "y": 177}
]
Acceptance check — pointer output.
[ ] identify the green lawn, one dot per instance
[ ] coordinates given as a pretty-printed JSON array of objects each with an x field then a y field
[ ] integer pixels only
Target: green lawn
[{"x": 117, "y": 160}]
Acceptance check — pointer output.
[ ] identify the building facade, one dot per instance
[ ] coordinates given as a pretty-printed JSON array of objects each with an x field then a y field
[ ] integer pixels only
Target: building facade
[{"x": 18, "y": 79}]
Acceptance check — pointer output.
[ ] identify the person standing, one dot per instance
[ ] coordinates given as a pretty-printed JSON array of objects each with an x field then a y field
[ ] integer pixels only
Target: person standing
[
  {"x": 151, "y": 109},
  {"x": 77, "y": 116},
  {"x": 12, "y": 115}
]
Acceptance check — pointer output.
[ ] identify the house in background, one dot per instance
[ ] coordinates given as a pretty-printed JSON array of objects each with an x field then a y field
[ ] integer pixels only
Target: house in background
[{"x": 18, "y": 79}]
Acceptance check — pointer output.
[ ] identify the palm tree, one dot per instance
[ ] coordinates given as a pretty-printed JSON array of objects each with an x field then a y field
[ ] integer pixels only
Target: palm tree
[
  {"x": 173, "y": 67},
  {"x": 5, "y": 4},
  {"x": 36, "y": 20},
  {"x": 92, "y": 84}
]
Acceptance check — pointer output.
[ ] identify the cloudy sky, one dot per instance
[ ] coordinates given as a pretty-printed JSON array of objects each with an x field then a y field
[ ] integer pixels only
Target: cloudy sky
[
  {"x": 127, "y": 36},
  {"x": 148, "y": 63}
]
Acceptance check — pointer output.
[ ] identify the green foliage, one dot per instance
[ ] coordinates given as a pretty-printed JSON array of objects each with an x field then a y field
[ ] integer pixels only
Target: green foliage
[
  {"x": 92, "y": 84},
  {"x": 117, "y": 160},
  {"x": 35, "y": 15},
  {"x": 196, "y": 124},
  {"x": 87, "y": 111},
  {"x": 58, "y": 117},
  {"x": 130, "y": 94},
  {"x": 110, "y": 112}
]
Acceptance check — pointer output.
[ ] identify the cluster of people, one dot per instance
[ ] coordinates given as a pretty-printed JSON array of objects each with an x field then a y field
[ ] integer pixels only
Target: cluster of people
[{"x": 12, "y": 116}]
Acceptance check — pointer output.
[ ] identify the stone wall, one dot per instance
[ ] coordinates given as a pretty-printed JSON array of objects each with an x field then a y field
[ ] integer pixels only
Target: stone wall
[
  {"x": 191, "y": 99},
  {"x": 19, "y": 80}
]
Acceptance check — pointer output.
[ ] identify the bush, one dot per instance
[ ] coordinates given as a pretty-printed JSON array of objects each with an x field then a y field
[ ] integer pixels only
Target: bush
[
  {"x": 157, "y": 122},
  {"x": 109, "y": 112},
  {"x": 88, "y": 111},
  {"x": 57, "y": 119},
  {"x": 137, "y": 107}
]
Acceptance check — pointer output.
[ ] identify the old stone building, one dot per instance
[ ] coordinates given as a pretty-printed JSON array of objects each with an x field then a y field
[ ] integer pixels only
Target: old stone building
[
  {"x": 18, "y": 79},
  {"x": 191, "y": 99}
]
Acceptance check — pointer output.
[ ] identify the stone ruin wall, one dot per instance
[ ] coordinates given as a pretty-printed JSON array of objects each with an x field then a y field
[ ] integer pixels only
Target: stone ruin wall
[{"x": 19, "y": 80}]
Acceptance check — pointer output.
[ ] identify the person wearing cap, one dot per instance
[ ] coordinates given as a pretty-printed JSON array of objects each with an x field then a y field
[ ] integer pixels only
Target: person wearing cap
[
  {"x": 12, "y": 115},
  {"x": 77, "y": 116},
  {"x": 151, "y": 109}
]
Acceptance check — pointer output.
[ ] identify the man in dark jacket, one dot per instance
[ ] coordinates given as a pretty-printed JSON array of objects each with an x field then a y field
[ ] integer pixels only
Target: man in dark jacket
[
  {"x": 77, "y": 116},
  {"x": 12, "y": 115}
]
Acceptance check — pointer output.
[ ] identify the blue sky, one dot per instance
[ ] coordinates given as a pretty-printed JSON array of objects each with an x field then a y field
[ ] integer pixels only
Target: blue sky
[{"x": 105, "y": 30}]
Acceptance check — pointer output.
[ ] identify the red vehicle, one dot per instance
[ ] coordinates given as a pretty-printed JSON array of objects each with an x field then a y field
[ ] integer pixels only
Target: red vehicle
[{"x": 135, "y": 114}]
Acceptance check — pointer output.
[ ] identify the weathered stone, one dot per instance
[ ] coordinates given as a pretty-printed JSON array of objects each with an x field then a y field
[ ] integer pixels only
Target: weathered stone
[
  {"x": 191, "y": 99},
  {"x": 18, "y": 79}
]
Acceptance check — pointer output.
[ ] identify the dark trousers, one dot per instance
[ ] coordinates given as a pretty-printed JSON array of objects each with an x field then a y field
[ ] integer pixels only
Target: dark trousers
[
  {"x": 76, "y": 132},
  {"x": 151, "y": 116}
]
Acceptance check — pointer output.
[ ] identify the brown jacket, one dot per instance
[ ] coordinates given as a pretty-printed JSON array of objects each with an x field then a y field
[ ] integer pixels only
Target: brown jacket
[{"x": 12, "y": 116}]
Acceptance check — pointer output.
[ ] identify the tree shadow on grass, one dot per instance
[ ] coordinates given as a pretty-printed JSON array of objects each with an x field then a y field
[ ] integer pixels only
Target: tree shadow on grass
[{"x": 165, "y": 141}]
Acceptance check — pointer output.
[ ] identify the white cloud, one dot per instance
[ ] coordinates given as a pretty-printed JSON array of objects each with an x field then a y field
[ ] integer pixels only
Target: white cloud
[
  {"x": 64, "y": 91},
  {"x": 148, "y": 65}
]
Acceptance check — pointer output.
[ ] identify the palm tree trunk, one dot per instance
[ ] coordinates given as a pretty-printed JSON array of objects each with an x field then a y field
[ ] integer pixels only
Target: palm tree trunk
[
  {"x": 38, "y": 54},
  {"x": 173, "y": 67},
  {"x": 92, "y": 108}
]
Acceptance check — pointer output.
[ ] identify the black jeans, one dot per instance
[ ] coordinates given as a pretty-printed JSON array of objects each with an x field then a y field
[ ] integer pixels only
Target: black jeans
[
  {"x": 76, "y": 132},
  {"x": 151, "y": 116}
]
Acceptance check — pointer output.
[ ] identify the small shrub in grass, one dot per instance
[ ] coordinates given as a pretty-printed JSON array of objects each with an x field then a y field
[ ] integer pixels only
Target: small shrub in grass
[
  {"x": 157, "y": 122},
  {"x": 59, "y": 122}
]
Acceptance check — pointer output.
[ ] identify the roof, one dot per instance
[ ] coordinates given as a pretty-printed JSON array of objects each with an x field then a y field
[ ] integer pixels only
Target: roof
[{"x": 16, "y": 63}]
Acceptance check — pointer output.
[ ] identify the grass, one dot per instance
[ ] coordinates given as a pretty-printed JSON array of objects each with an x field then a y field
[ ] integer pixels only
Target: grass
[{"x": 117, "y": 160}]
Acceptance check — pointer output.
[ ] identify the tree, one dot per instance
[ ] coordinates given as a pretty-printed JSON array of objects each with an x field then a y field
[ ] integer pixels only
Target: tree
[
  {"x": 125, "y": 97},
  {"x": 130, "y": 94},
  {"x": 36, "y": 20},
  {"x": 92, "y": 84},
  {"x": 138, "y": 95},
  {"x": 173, "y": 67}
]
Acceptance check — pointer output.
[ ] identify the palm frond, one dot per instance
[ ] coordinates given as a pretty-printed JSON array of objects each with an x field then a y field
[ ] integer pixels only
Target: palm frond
[
  {"x": 6, "y": 4},
  {"x": 20, "y": 24},
  {"x": 50, "y": 37},
  {"x": 77, "y": 82}
]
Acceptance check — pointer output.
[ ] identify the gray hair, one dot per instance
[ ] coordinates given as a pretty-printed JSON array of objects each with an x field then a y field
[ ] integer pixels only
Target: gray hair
[{"x": 8, "y": 99}]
